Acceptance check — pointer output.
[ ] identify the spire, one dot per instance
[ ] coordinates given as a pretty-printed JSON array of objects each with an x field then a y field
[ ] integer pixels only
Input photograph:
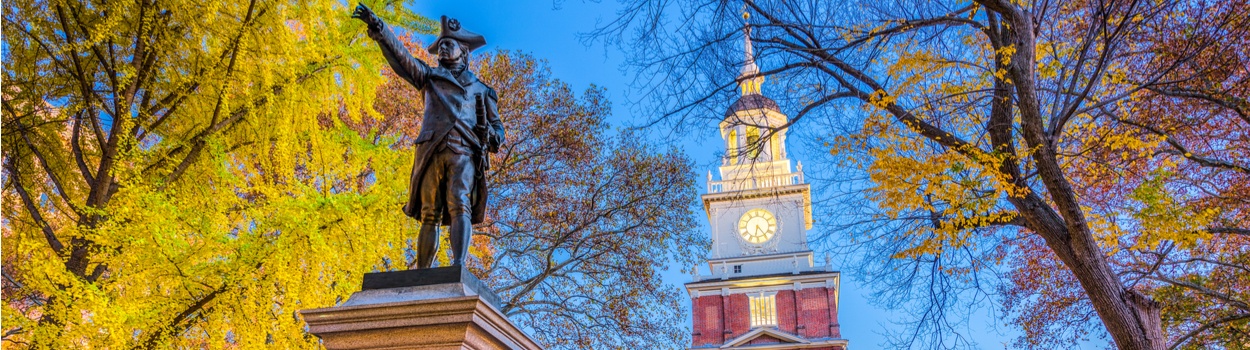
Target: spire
[{"x": 749, "y": 79}]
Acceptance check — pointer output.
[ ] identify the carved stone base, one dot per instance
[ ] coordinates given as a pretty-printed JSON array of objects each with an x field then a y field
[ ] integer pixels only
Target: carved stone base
[{"x": 440, "y": 308}]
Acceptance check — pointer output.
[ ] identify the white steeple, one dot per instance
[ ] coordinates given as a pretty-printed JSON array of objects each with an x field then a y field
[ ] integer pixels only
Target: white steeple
[
  {"x": 754, "y": 131},
  {"x": 749, "y": 80},
  {"x": 760, "y": 209}
]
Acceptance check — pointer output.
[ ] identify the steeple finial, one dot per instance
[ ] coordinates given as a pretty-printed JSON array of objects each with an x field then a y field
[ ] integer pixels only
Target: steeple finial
[{"x": 749, "y": 79}]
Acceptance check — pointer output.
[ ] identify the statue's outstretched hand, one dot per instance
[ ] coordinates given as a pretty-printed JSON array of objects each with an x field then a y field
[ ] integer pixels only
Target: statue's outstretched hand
[{"x": 364, "y": 14}]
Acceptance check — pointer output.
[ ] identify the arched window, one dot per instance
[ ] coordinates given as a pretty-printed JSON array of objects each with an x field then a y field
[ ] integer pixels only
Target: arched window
[
  {"x": 775, "y": 141},
  {"x": 731, "y": 151},
  {"x": 753, "y": 140}
]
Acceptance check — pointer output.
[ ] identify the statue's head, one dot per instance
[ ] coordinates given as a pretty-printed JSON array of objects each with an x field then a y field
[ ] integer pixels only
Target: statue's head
[
  {"x": 454, "y": 43},
  {"x": 451, "y": 50}
]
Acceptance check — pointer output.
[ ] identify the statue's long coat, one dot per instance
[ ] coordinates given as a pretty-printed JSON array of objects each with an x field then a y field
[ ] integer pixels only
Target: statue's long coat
[{"x": 450, "y": 104}]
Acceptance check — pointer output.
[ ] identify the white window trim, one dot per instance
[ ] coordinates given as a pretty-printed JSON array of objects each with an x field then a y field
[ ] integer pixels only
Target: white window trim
[{"x": 763, "y": 309}]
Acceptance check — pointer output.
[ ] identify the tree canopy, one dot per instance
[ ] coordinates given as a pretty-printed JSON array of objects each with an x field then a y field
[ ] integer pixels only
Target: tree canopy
[
  {"x": 191, "y": 174},
  {"x": 163, "y": 186},
  {"x": 1083, "y": 163}
]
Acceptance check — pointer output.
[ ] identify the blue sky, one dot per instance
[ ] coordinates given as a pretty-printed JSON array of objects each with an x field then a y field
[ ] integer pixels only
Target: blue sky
[{"x": 549, "y": 29}]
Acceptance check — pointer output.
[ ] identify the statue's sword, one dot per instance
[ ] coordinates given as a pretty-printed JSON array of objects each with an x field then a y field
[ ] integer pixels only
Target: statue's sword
[{"x": 482, "y": 129}]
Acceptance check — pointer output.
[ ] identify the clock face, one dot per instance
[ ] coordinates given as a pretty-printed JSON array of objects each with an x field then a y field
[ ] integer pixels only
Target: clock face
[{"x": 757, "y": 226}]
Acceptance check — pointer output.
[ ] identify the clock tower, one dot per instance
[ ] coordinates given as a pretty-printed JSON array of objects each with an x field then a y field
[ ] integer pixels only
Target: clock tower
[{"x": 765, "y": 290}]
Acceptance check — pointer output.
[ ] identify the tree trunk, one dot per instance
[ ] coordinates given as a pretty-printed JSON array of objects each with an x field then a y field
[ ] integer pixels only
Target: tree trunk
[{"x": 1132, "y": 319}]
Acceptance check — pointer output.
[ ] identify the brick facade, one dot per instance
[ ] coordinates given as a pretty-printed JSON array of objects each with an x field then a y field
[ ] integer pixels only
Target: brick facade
[{"x": 809, "y": 313}]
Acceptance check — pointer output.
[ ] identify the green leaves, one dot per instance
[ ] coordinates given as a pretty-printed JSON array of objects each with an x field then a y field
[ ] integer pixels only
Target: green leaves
[{"x": 1162, "y": 218}]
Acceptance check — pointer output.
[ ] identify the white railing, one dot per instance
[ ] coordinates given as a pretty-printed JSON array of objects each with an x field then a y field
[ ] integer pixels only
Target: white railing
[
  {"x": 755, "y": 182},
  {"x": 720, "y": 269}
]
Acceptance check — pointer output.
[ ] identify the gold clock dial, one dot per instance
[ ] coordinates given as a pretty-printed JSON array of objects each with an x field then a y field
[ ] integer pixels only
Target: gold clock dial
[{"x": 757, "y": 226}]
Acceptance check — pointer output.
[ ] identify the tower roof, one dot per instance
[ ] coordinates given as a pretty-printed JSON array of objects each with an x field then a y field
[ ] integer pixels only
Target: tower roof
[{"x": 752, "y": 101}]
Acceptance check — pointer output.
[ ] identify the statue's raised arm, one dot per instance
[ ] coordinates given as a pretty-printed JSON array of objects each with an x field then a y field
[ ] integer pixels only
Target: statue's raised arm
[{"x": 402, "y": 62}]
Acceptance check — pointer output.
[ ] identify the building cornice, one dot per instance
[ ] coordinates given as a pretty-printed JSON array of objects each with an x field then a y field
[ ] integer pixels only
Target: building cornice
[
  {"x": 789, "y": 341},
  {"x": 764, "y": 257},
  {"x": 729, "y": 196},
  {"x": 812, "y": 345},
  {"x": 747, "y": 337},
  {"x": 785, "y": 281}
]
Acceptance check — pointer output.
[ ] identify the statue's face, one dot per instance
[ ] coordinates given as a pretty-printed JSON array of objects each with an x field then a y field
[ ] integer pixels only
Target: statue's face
[{"x": 449, "y": 49}]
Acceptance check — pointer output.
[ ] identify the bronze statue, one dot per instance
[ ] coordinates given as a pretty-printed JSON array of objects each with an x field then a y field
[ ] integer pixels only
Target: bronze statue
[{"x": 461, "y": 124}]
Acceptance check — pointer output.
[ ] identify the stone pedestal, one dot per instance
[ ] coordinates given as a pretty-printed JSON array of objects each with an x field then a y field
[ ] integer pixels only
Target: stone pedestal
[{"x": 438, "y": 308}]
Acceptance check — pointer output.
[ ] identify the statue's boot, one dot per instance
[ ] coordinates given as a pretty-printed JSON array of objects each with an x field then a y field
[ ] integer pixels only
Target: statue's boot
[
  {"x": 461, "y": 234},
  {"x": 427, "y": 243}
]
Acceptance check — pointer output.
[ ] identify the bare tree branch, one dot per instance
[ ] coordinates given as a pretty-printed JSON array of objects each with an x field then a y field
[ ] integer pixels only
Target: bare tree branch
[{"x": 1184, "y": 338}]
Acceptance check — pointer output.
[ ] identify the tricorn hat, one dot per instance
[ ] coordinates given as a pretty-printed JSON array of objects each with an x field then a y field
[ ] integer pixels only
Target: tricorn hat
[{"x": 451, "y": 29}]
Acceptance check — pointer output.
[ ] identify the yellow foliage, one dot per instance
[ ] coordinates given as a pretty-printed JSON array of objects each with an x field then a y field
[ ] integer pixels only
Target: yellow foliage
[
  {"x": 1006, "y": 53},
  {"x": 1162, "y": 218},
  {"x": 275, "y": 212},
  {"x": 1105, "y": 230},
  {"x": 910, "y": 177},
  {"x": 881, "y": 99}
]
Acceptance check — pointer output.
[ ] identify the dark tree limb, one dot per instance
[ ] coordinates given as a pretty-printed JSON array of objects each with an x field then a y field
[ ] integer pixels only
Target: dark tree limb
[
  {"x": 75, "y": 144},
  {"x": 1184, "y": 338},
  {"x": 180, "y": 322},
  {"x": 52, "y": 175},
  {"x": 1229, "y": 299},
  {"x": 1236, "y": 104},
  {"x": 906, "y": 25},
  {"x": 1181, "y": 150},
  {"x": 49, "y": 233},
  {"x": 1229, "y": 230}
]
